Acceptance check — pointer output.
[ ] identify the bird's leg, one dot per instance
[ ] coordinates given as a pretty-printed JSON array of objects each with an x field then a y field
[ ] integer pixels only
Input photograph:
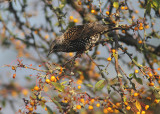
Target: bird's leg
[{"x": 78, "y": 54}]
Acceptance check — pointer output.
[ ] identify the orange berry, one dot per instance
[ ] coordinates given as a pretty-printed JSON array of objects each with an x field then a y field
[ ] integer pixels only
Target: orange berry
[
  {"x": 113, "y": 50},
  {"x": 48, "y": 81},
  {"x": 53, "y": 79},
  {"x": 136, "y": 71},
  {"x": 36, "y": 88},
  {"x": 118, "y": 104},
  {"x": 90, "y": 107},
  {"x": 125, "y": 103},
  {"x": 98, "y": 105},
  {"x": 93, "y": 11},
  {"x": 148, "y": 98},
  {"x": 140, "y": 24},
  {"x": 107, "y": 12},
  {"x": 116, "y": 111},
  {"x": 126, "y": 8},
  {"x": 45, "y": 109},
  {"x": 158, "y": 68},
  {"x": 135, "y": 28},
  {"x": 151, "y": 84},
  {"x": 32, "y": 103},
  {"x": 140, "y": 42},
  {"x": 159, "y": 81},
  {"x": 14, "y": 75},
  {"x": 109, "y": 109},
  {"x": 82, "y": 100},
  {"x": 13, "y": 68},
  {"x": 105, "y": 110},
  {"x": 150, "y": 74},
  {"x": 146, "y": 26},
  {"x": 39, "y": 65},
  {"x": 109, "y": 59},
  {"x": 140, "y": 28},
  {"x": 79, "y": 87},
  {"x": 78, "y": 106},
  {"x": 146, "y": 107},
  {"x": 79, "y": 3},
  {"x": 136, "y": 94},
  {"x": 122, "y": 8},
  {"x": 123, "y": 31},
  {"x": 30, "y": 109},
  {"x": 156, "y": 101},
  {"x": 136, "y": 11},
  {"x": 92, "y": 100},
  {"x": 128, "y": 107}
]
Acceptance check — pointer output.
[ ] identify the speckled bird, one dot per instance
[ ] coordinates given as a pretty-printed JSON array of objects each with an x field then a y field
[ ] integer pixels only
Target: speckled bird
[{"x": 79, "y": 38}]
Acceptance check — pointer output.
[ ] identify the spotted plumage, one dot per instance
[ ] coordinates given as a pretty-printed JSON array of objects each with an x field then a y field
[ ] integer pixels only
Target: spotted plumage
[{"x": 79, "y": 38}]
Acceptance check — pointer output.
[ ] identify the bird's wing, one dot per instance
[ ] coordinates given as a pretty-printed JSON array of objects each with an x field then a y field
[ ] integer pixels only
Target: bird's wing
[{"x": 74, "y": 32}]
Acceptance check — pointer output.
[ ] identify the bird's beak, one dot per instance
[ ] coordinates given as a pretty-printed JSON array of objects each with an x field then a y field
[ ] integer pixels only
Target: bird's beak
[{"x": 49, "y": 53}]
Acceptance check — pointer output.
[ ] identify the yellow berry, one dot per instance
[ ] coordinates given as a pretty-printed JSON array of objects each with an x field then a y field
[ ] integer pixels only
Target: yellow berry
[
  {"x": 107, "y": 12},
  {"x": 136, "y": 71},
  {"x": 98, "y": 105},
  {"x": 125, "y": 103},
  {"x": 136, "y": 94},
  {"x": 140, "y": 28},
  {"x": 36, "y": 88},
  {"x": 53, "y": 79},
  {"x": 48, "y": 81},
  {"x": 109, "y": 59},
  {"x": 138, "y": 113},
  {"x": 146, "y": 107},
  {"x": 128, "y": 107},
  {"x": 78, "y": 106},
  {"x": 75, "y": 20},
  {"x": 136, "y": 11},
  {"x": 122, "y": 8},
  {"x": 92, "y": 11},
  {"x": 71, "y": 17},
  {"x": 90, "y": 107},
  {"x": 143, "y": 112},
  {"x": 32, "y": 103},
  {"x": 79, "y": 87}
]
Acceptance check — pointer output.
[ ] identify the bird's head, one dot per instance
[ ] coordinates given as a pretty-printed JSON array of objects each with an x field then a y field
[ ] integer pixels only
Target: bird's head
[{"x": 56, "y": 46}]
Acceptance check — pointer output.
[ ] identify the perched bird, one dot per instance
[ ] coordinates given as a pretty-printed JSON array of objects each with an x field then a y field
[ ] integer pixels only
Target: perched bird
[{"x": 79, "y": 38}]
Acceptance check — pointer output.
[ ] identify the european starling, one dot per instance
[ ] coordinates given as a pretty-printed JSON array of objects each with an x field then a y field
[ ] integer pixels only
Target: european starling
[{"x": 79, "y": 38}]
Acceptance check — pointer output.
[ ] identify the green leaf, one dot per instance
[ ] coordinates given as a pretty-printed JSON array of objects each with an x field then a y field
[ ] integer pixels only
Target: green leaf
[
  {"x": 63, "y": 82},
  {"x": 58, "y": 86},
  {"x": 88, "y": 85},
  {"x": 139, "y": 80},
  {"x": 58, "y": 105},
  {"x": 130, "y": 75},
  {"x": 49, "y": 110},
  {"x": 116, "y": 5},
  {"x": 99, "y": 85}
]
